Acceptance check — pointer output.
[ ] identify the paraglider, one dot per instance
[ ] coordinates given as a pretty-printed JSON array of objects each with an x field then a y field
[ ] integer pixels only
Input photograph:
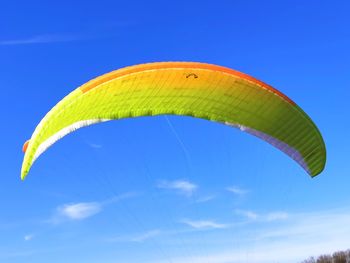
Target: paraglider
[{"x": 199, "y": 90}]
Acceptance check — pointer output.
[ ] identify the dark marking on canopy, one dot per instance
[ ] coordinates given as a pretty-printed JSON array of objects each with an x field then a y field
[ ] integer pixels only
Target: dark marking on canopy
[{"x": 191, "y": 75}]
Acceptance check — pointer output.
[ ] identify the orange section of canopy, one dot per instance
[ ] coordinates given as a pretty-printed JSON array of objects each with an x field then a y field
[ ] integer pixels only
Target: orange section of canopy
[{"x": 166, "y": 65}]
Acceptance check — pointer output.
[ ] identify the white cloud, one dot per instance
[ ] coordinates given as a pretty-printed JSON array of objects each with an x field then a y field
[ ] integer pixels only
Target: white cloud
[
  {"x": 28, "y": 237},
  {"x": 203, "y": 224},
  {"x": 183, "y": 187},
  {"x": 237, "y": 190},
  {"x": 74, "y": 212},
  {"x": 79, "y": 211},
  {"x": 83, "y": 210}
]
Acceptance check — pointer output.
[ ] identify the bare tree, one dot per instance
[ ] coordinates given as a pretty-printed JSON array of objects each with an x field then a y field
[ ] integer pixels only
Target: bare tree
[
  {"x": 324, "y": 259},
  {"x": 347, "y": 252},
  {"x": 339, "y": 257},
  {"x": 309, "y": 260}
]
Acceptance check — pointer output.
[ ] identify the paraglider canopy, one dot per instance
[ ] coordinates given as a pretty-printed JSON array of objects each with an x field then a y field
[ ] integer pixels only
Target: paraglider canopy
[{"x": 192, "y": 89}]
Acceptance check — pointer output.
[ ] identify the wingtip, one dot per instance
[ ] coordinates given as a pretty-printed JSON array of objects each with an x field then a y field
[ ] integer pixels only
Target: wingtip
[
  {"x": 24, "y": 175},
  {"x": 315, "y": 174}
]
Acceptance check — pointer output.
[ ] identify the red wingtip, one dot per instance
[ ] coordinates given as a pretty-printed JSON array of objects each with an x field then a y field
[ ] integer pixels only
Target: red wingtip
[{"x": 25, "y": 146}]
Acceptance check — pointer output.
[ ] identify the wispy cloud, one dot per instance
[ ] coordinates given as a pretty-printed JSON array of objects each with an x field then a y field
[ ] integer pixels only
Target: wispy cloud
[
  {"x": 143, "y": 237},
  {"x": 246, "y": 213},
  {"x": 119, "y": 198},
  {"x": 203, "y": 224},
  {"x": 276, "y": 216},
  {"x": 269, "y": 217},
  {"x": 237, "y": 190},
  {"x": 41, "y": 39},
  {"x": 181, "y": 186},
  {"x": 328, "y": 223},
  {"x": 297, "y": 237},
  {"x": 95, "y": 145},
  {"x": 204, "y": 199},
  {"x": 28, "y": 237},
  {"x": 139, "y": 238}
]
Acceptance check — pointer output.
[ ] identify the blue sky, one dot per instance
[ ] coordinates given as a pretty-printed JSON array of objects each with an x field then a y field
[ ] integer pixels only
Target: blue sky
[{"x": 172, "y": 189}]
